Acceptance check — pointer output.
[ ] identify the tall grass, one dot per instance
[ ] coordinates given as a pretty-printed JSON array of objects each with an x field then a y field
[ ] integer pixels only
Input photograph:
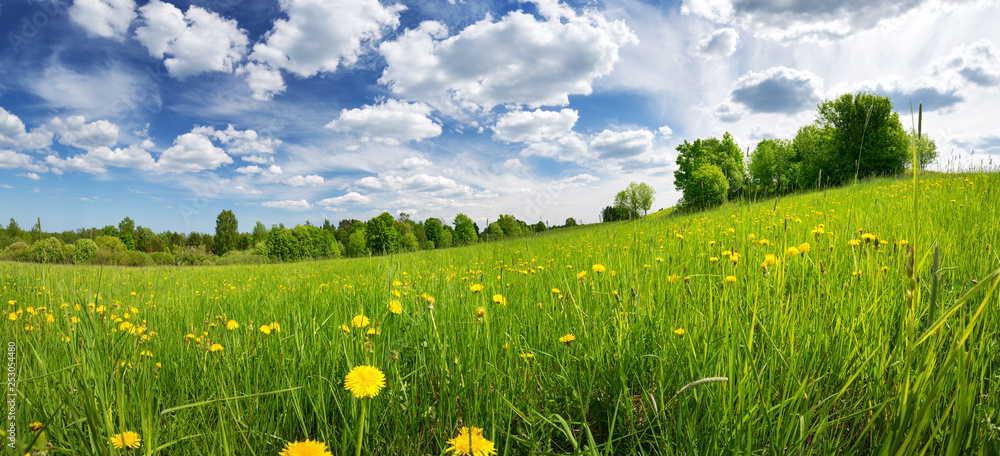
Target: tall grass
[{"x": 820, "y": 352}]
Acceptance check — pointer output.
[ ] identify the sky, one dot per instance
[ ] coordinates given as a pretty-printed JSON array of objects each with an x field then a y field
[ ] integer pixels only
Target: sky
[{"x": 287, "y": 111}]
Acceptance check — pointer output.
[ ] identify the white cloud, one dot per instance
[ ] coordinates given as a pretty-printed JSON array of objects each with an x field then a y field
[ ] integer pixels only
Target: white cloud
[
  {"x": 727, "y": 111},
  {"x": 722, "y": 43},
  {"x": 351, "y": 198},
  {"x": 105, "y": 92},
  {"x": 302, "y": 181},
  {"x": 518, "y": 59},
  {"x": 803, "y": 20},
  {"x": 422, "y": 182},
  {"x": 191, "y": 152},
  {"x": 510, "y": 166},
  {"x": 260, "y": 160},
  {"x": 391, "y": 122},
  {"x": 288, "y": 204},
  {"x": 194, "y": 42},
  {"x": 666, "y": 132},
  {"x": 414, "y": 163},
  {"x": 241, "y": 142},
  {"x": 977, "y": 63},
  {"x": 570, "y": 148},
  {"x": 936, "y": 94},
  {"x": 622, "y": 144},
  {"x": 318, "y": 36},
  {"x": 12, "y": 160},
  {"x": 76, "y": 132},
  {"x": 13, "y": 134},
  {"x": 106, "y": 18},
  {"x": 31, "y": 176},
  {"x": 249, "y": 170},
  {"x": 526, "y": 126},
  {"x": 135, "y": 156},
  {"x": 778, "y": 90}
]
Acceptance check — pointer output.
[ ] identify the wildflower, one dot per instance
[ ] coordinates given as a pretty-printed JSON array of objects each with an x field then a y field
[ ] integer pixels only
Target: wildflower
[
  {"x": 396, "y": 283},
  {"x": 597, "y": 268},
  {"x": 232, "y": 324},
  {"x": 556, "y": 291},
  {"x": 470, "y": 441},
  {"x": 679, "y": 331},
  {"x": 658, "y": 259},
  {"x": 65, "y": 339},
  {"x": 476, "y": 288},
  {"x": 266, "y": 329},
  {"x": 480, "y": 311},
  {"x": 580, "y": 275},
  {"x": 126, "y": 440},
  {"x": 854, "y": 242},
  {"x": 730, "y": 279},
  {"x": 395, "y": 307},
  {"x": 792, "y": 251},
  {"x": 158, "y": 365},
  {"x": 499, "y": 299},
  {"x": 734, "y": 258},
  {"x": 12, "y": 316},
  {"x": 770, "y": 259},
  {"x": 307, "y": 448},
  {"x": 566, "y": 339},
  {"x": 359, "y": 321},
  {"x": 713, "y": 259},
  {"x": 364, "y": 381},
  {"x": 35, "y": 427},
  {"x": 146, "y": 353},
  {"x": 527, "y": 356},
  {"x": 395, "y": 293},
  {"x": 804, "y": 247},
  {"x": 868, "y": 237},
  {"x": 374, "y": 332},
  {"x": 215, "y": 348},
  {"x": 764, "y": 242},
  {"x": 345, "y": 328}
]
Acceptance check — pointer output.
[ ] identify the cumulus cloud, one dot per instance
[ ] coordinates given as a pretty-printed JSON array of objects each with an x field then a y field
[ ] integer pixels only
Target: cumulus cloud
[
  {"x": 391, "y": 122},
  {"x": 936, "y": 95},
  {"x": 977, "y": 63},
  {"x": 423, "y": 183},
  {"x": 194, "y": 42},
  {"x": 721, "y": 43},
  {"x": 288, "y": 204},
  {"x": 105, "y": 18},
  {"x": 622, "y": 144},
  {"x": 249, "y": 170},
  {"x": 318, "y": 36},
  {"x": 76, "y": 132},
  {"x": 526, "y": 126},
  {"x": 802, "y": 20},
  {"x": 240, "y": 142},
  {"x": 568, "y": 148},
  {"x": 777, "y": 90},
  {"x": 97, "y": 158},
  {"x": 981, "y": 143},
  {"x": 14, "y": 134},
  {"x": 12, "y": 160},
  {"x": 414, "y": 163},
  {"x": 192, "y": 152},
  {"x": 666, "y": 132},
  {"x": 518, "y": 59},
  {"x": 311, "y": 180},
  {"x": 350, "y": 198}
]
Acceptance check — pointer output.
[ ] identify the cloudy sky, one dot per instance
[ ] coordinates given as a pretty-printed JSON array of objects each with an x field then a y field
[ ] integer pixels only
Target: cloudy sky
[{"x": 169, "y": 111}]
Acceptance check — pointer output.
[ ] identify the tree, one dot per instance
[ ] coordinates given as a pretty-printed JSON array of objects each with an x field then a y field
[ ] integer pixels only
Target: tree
[
  {"x": 126, "y": 232},
  {"x": 636, "y": 197},
  {"x": 570, "y": 222},
  {"x": 867, "y": 137},
  {"x": 227, "y": 233},
  {"x": 382, "y": 236},
  {"x": 769, "y": 165},
  {"x": 926, "y": 149},
  {"x": 723, "y": 154},
  {"x": 615, "y": 213},
  {"x": 710, "y": 187},
  {"x": 539, "y": 227},
  {"x": 434, "y": 231},
  {"x": 13, "y": 229},
  {"x": 259, "y": 233},
  {"x": 465, "y": 230}
]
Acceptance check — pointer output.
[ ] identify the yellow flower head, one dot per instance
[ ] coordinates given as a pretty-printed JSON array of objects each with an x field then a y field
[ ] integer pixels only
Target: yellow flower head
[
  {"x": 804, "y": 247},
  {"x": 395, "y": 307},
  {"x": 345, "y": 328},
  {"x": 266, "y": 329},
  {"x": 566, "y": 339},
  {"x": 35, "y": 427},
  {"x": 359, "y": 321},
  {"x": 307, "y": 448},
  {"x": 730, "y": 279},
  {"x": 215, "y": 347},
  {"x": 499, "y": 299},
  {"x": 232, "y": 324},
  {"x": 396, "y": 283},
  {"x": 481, "y": 311},
  {"x": 556, "y": 291},
  {"x": 12, "y": 316},
  {"x": 476, "y": 288},
  {"x": 854, "y": 242},
  {"x": 470, "y": 441},
  {"x": 126, "y": 440},
  {"x": 581, "y": 275},
  {"x": 679, "y": 331},
  {"x": 597, "y": 268},
  {"x": 364, "y": 381},
  {"x": 792, "y": 251},
  {"x": 770, "y": 259}
]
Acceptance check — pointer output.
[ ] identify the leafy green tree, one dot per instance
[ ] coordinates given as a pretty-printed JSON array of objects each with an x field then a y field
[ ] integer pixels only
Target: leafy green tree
[
  {"x": 723, "y": 154},
  {"x": 434, "y": 231},
  {"x": 382, "y": 236},
  {"x": 357, "y": 244},
  {"x": 126, "y": 232},
  {"x": 709, "y": 187},
  {"x": 570, "y": 222},
  {"x": 85, "y": 251},
  {"x": 227, "y": 233},
  {"x": 769, "y": 165},
  {"x": 926, "y": 149},
  {"x": 635, "y": 198},
  {"x": 409, "y": 243},
  {"x": 259, "y": 233},
  {"x": 615, "y": 213},
  {"x": 465, "y": 230},
  {"x": 511, "y": 225},
  {"x": 867, "y": 137},
  {"x": 14, "y": 230},
  {"x": 109, "y": 230},
  {"x": 539, "y": 227}
]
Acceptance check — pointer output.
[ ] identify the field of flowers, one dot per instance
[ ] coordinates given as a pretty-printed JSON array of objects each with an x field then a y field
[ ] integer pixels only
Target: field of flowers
[{"x": 802, "y": 325}]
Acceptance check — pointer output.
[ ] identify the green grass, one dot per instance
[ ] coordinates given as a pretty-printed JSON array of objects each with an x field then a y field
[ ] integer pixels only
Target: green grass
[{"x": 822, "y": 352}]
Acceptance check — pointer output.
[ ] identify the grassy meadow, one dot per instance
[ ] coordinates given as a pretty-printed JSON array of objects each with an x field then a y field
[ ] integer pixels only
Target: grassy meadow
[{"x": 800, "y": 325}]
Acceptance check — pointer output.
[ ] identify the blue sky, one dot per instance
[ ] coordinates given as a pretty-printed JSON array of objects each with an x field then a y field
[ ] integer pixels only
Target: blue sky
[{"x": 285, "y": 111}]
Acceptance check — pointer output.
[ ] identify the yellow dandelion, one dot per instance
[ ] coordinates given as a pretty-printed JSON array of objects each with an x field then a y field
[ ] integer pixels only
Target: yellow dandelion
[
  {"x": 232, "y": 325},
  {"x": 12, "y": 316},
  {"x": 480, "y": 311},
  {"x": 215, "y": 347},
  {"x": 770, "y": 259},
  {"x": 364, "y": 381},
  {"x": 804, "y": 247},
  {"x": 581, "y": 275},
  {"x": 730, "y": 279},
  {"x": 597, "y": 268},
  {"x": 792, "y": 251},
  {"x": 499, "y": 299},
  {"x": 556, "y": 291},
  {"x": 679, "y": 331},
  {"x": 35, "y": 426},
  {"x": 854, "y": 242},
  {"x": 345, "y": 328},
  {"x": 146, "y": 353},
  {"x": 527, "y": 356},
  {"x": 734, "y": 258},
  {"x": 266, "y": 329},
  {"x": 470, "y": 441},
  {"x": 306, "y": 448},
  {"x": 566, "y": 339},
  {"x": 395, "y": 307},
  {"x": 127, "y": 439},
  {"x": 359, "y": 321},
  {"x": 396, "y": 283},
  {"x": 713, "y": 259},
  {"x": 374, "y": 331},
  {"x": 158, "y": 365},
  {"x": 476, "y": 288}
]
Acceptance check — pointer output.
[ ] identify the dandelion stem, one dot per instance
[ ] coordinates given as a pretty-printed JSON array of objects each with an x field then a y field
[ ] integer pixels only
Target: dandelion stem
[{"x": 361, "y": 427}]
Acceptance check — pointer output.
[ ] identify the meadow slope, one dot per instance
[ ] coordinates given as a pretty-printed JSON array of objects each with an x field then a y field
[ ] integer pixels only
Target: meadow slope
[{"x": 799, "y": 314}]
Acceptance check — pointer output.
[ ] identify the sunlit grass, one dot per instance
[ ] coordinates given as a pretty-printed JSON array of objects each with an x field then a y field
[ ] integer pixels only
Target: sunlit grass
[{"x": 797, "y": 338}]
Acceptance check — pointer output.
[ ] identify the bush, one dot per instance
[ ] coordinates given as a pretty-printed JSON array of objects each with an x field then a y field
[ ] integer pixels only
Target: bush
[
  {"x": 85, "y": 251},
  {"x": 137, "y": 258},
  {"x": 162, "y": 258},
  {"x": 240, "y": 257},
  {"x": 708, "y": 187},
  {"x": 17, "y": 251},
  {"x": 48, "y": 250},
  {"x": 69, "y": 252},
  {"x": 193, "y": 256}
]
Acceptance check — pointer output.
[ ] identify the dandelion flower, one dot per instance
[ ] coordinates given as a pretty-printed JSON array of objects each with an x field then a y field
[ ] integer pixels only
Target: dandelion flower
[
  {"x": 499, "y": 299},
  {"x": 12, "y": 316},
  {"x": 804, "y": 247},
  {"x": 396, "y": 283},
  {"x": 597, "y": 268},
  {"x": 792, "y": 251},
  {"x": 730, "y": 279},
  {"x": 307, "y": 448},
  {"x": 345, "y": 328},
  {"x": 476, "y": 288},
  {"x": 679, "y": 331},
  {"x": 35, "y": 427},
  {"x": 266, "y": 329},
  {"x": 126, "y": 440},
  {"x": 215, "y": 347},
  {"x": 232, "y": 325},
  {"x": 713, "y": 259},
  {"x": 364, "y": 381},
  {"x": 581, "y": 275},
  {"x": 556, "y": 291},
  {"x": 480, "y": 311},
  {"x": 567, "y": 339},
  {"x": 395, "y": 307},
  {"x": 527, "y": 356},
  {"x": 470, "y": 441},
  {"x": 854, "y": 242},
  {"x": 359, "y": 321}
]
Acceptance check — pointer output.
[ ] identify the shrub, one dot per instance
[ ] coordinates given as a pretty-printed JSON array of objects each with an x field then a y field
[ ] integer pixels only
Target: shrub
[
  {"x": 193, "y": 256},
  {"x": 162, "y": 258},
  {"x": 85, "y": 251},
  {"x": 17, "y": 251},
  {"x": 48, "y": 250},
  {"x": 708, "y": 187},
  {"x": 240, "y": 257}
]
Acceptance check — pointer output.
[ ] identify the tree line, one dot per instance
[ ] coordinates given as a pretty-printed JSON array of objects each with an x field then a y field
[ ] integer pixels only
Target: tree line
[{"x": 132, "y": 245}]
